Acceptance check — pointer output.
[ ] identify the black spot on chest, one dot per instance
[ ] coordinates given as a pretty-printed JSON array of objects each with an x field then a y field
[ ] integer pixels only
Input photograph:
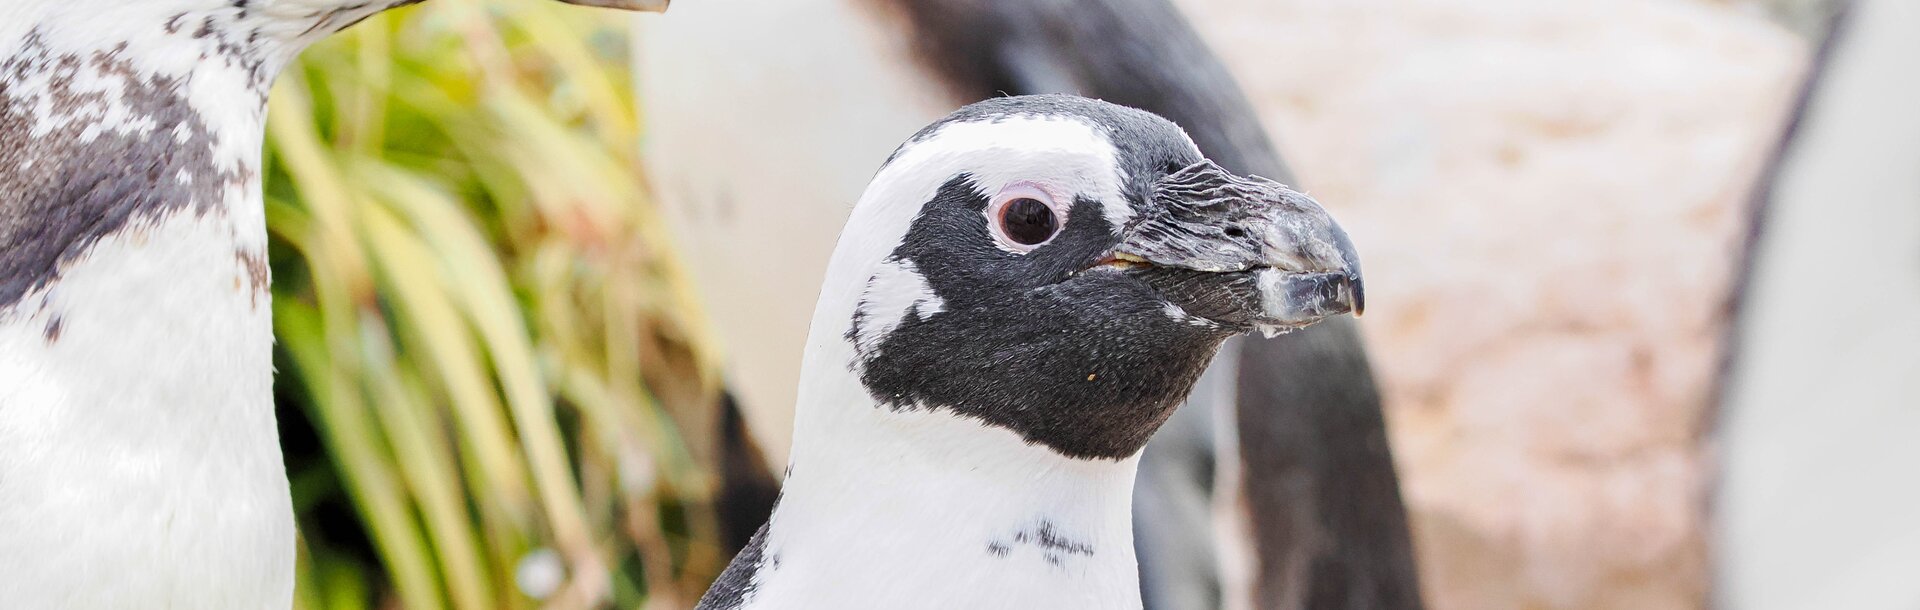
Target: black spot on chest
[{"x": 1054, "y": 546}]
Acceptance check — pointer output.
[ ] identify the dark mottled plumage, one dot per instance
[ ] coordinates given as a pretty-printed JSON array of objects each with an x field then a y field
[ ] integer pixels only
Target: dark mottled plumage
[{"x": 57, "y": 197}]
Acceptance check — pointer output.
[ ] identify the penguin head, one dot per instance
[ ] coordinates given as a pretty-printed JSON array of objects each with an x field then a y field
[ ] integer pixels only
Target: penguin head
[{"x": 1065, "y": 268}]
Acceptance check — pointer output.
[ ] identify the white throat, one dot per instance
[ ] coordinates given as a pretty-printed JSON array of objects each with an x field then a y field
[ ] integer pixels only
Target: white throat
[{"x": 924, "y": 509}]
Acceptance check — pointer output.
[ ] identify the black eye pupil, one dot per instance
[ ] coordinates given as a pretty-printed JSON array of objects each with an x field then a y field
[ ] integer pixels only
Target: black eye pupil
[{"x": 1028, "y": 222}]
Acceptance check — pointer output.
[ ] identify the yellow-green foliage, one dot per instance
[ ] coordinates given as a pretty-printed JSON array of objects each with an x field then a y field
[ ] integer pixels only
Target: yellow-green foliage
[{"x": 479, "y": 318}]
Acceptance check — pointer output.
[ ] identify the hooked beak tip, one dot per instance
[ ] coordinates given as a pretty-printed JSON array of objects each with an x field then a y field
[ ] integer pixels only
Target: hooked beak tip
[
  {"x": 1295, "y": 300},
  {"x": 1358, "y": 290}
]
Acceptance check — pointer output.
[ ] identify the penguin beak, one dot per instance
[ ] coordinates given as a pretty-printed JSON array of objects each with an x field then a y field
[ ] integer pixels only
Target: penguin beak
[
  {"x": 651, "y": 6},
  {"x": 1242, "y": 250}
]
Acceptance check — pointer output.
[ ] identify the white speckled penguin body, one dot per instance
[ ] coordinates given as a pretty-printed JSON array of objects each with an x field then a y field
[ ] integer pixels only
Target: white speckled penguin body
[{"x": 140, "y": 464}]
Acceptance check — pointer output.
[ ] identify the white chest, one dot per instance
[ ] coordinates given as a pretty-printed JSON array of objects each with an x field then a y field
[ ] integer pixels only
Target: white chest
[
  {"x": 139, "y": 461},
  {"x": 930, "y": 510},
  {"x": 1017, "y": 566}
]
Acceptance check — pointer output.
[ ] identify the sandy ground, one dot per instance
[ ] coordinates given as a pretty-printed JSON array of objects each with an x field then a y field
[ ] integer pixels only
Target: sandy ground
[{"x": 1547, "y": 196}]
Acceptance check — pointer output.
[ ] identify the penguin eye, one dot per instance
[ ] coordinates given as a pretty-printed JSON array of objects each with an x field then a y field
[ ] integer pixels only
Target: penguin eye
[
  {"x": 1027, "y": 221},
  {"x": 1024, "y": 217}
]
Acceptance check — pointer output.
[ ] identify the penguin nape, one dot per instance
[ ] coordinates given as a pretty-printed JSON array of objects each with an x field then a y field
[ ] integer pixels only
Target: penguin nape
[
  {"x": 140, "y": 464},
  {"x": 1026, "y": 291}
]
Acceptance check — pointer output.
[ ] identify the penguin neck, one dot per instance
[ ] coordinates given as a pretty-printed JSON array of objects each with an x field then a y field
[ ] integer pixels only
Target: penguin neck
[
  {"x": 136, "y": 411},
  {"x": 924, "y": 504}
]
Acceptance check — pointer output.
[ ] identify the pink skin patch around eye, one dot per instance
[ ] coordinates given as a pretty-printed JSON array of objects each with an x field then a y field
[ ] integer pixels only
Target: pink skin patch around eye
[{"x": 997, "y": 208}]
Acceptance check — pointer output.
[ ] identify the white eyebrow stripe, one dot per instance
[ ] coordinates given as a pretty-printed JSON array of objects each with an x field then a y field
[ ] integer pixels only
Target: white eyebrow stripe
[{"x": 996, "y": 152}]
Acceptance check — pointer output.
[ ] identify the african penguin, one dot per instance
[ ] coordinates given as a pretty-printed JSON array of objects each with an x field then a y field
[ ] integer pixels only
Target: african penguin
[
  {"x": 1024, "y": 293},
  {"x": 139, "y": 460},
  {"x": 1274, "y": 488}
]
